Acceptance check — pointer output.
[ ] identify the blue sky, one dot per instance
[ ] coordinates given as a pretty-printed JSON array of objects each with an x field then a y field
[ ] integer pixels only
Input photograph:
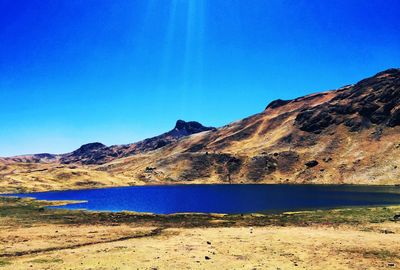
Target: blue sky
[{"x": 115, "y": 71}]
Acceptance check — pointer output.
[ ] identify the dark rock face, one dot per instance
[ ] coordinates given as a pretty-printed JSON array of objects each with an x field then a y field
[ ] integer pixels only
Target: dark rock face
[
  {"x": 191, "y": 127},
  {"x": 91, "y": 153},
  {"x": 373, "y": 101},
  {"x": 225, "y": 165},
  {"x": 314, "y": 121},
  {"x": 98, "y": 153},
  {"x": 260, "y": 166},
  {"x": 311, "y": 163},
  {"x": 183, "y": 128},
  {"x": 277, "y": 103},
  {"x": 394, "y": 118},
  {"x": 90, "y": 147}
]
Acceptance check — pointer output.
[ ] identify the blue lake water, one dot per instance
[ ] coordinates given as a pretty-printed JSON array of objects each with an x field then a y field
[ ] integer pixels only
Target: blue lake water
[{"x": 231, "y": 199}]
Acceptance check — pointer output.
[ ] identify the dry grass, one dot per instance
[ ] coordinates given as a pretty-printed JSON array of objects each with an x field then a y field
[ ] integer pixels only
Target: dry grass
[{"x": 39, "y": 238}]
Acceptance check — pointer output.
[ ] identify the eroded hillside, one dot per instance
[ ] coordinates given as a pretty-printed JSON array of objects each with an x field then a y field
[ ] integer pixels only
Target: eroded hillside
[{"x": 349, "y": 135}]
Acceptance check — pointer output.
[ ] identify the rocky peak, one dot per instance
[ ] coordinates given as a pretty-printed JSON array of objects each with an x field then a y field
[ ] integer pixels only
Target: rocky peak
[
  {"x": 90, "y": 147},
  {"x": 277, "y": 103},
  {"x": 86, "y": 154},
  {"x": 98, "y": 153},
  {"x": 190, "y": 127}
]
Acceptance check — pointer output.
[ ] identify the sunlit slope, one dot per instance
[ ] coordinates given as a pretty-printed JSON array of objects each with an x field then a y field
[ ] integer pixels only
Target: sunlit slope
[
  {"x": 20, "y": 177},
  {"x": 349, "y": 135}
]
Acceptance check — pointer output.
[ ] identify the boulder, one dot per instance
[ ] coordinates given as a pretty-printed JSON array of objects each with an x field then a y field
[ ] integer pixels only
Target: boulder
[{"x": 311, "y": 163}]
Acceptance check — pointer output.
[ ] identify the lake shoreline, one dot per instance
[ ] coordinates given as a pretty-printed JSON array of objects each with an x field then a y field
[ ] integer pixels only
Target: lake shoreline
[
  {"x": 204, "y": 184},
  {"x": 220, "y": 199}
]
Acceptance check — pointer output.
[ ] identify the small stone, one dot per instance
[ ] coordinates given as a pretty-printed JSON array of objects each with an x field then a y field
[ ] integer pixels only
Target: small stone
[
  {"x": 207, "y": 258},
  {"x": 311, "y": 163}
]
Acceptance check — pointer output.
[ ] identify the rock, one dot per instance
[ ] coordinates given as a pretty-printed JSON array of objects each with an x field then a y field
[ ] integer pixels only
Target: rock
[
  {"x": 385, "y": 231},
  {"x": 396, "y": 217},
  {"x": 374, "y": 100},
  {"x": 311, "y": 163},
  {"x": 190, "y": 127},
  {"x": 313, "y": 120},
  {"x": 277, "y": 103},
  {"x": 368, "y": 109},
  {"x": 260, "y": 166},
  {"x": 201, "y": 166},
  {"x": 395, "y": 118},
  {"x": 89, "y": 147},
  {"x": 149, "y": 169},
  {"x": 98, "y": 153},
  {"x": 355, "y": 124}
]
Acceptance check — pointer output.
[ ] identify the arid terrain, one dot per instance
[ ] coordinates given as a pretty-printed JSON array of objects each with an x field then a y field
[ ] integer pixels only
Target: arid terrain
[
  {"x": 346, "y": 136},
  {"x": 33, "y": 237}
]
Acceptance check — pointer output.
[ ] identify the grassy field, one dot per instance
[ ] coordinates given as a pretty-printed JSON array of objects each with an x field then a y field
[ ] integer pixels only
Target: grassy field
[{"x": 34, "y": 237}]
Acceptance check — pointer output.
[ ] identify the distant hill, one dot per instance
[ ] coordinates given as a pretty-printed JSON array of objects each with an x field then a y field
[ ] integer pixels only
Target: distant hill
[
  {"x": 98, "y": 153},
  {"x": 348, "y": 135}
]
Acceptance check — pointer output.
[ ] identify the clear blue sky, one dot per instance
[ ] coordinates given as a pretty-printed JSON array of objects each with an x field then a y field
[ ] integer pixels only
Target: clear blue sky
[{"x": 114, "y": 71}]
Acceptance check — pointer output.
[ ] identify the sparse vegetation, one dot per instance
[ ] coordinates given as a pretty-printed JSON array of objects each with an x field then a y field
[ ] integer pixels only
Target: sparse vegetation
[
  {"x": 4, "y": 262},
  {"x": 28, "y": 211},
  {"x": 40, "y": 238},
  {"x": 47, "y": 260}
]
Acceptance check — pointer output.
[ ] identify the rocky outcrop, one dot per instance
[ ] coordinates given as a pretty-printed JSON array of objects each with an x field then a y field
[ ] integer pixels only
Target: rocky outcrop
[
  {"x": 183, "y": 128},
  {"x": 277, "y": 103},
  {"x": 373, "y": 101},
  {"x": 91, "y": 153},
  {"x": 311, "y": 163},
  {"x": 98, "y": 153}
]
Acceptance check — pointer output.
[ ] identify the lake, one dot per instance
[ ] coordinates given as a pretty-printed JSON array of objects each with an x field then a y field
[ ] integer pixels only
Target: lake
[{"x": 232, "y": 199}]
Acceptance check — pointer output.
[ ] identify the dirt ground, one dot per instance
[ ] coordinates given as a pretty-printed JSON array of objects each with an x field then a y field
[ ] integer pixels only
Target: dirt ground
[
  {"x": 34, "y": 237},
  {"x": 53, "y": 246}
]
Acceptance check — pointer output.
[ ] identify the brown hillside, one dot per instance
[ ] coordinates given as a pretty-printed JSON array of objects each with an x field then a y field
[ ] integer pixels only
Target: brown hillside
[{"x": 349, "y": 135}]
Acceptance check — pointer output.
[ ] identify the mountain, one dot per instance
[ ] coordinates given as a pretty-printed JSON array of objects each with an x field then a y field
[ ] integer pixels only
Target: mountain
[
  {"x": 349, "y": 135},
  {"x": 98, "y": 153},
  {"x": 43, "y": 157}
]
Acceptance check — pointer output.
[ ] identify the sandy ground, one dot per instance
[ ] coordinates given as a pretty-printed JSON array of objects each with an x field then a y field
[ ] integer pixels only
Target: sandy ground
[{"x": 53, "y": 246}]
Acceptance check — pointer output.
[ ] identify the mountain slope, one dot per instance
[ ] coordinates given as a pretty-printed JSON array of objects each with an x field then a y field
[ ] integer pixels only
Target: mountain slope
[
  {"x": 348, "y": 135},
  {"x": 97, "y": 153}
]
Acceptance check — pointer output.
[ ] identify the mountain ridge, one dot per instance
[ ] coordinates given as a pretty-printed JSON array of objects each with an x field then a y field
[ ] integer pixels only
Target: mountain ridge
[
  {"x": 98, "y": 153},
  {"x": 346, "y": 136}
]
